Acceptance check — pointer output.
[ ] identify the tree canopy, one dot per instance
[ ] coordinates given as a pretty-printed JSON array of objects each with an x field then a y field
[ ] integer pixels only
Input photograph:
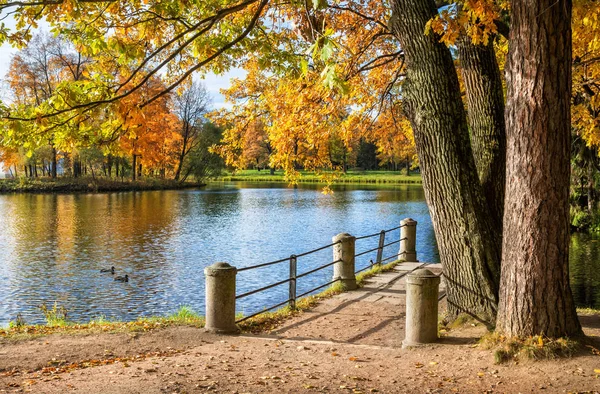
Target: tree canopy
[{"x": 322, "y": 77}]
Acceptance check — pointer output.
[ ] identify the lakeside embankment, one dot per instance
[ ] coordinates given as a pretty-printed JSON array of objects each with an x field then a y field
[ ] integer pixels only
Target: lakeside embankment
[
  {"x": 347, "y": 343},
  {"x": 89, "y": 185},
  {"x": 57, "y": 322},
  {"x": 387, "y": 177}
]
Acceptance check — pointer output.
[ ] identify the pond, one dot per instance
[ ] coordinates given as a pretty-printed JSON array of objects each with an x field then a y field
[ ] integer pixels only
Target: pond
[{"x": 52, "y": 247}]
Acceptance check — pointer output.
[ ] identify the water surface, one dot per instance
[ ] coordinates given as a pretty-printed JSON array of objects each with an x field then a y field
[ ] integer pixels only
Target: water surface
[{"x": 53, "y": 246}]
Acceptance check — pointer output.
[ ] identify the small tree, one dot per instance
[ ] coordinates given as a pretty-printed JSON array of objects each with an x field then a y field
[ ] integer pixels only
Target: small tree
[
  {"x": 190, "y": 107},
  {"x": 202, "y": 163}
]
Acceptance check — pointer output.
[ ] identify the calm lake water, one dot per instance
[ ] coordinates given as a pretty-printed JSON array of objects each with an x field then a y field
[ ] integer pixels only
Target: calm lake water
[{"x": 53, "y": 246}]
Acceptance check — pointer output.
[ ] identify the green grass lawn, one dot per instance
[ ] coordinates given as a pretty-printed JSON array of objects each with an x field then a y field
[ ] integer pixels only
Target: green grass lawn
[{"x": 394, "y": 177}]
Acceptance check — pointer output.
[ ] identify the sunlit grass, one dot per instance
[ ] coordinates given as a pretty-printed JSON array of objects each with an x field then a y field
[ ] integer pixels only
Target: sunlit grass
[
  {"x": 535, "y": 347},
  {"x": 57, "y": 323},
  {"x": 393, "y": 177}
]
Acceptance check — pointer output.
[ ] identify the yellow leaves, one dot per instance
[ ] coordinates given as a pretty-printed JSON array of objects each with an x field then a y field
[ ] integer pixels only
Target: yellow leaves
[
  {"x": 540, "y": 341},
  {"x": 475, "y": 18},
  {"x": 594, "y": 351}
]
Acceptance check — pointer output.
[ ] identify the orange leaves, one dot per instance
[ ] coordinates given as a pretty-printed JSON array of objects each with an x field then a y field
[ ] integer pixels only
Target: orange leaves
[{"x": 151, "y": 132}]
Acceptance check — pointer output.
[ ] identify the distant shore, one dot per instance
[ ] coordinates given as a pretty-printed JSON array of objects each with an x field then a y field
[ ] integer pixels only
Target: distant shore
[
  {"x": 389, "y": 177},
  {"x": 89, "y": 185}
]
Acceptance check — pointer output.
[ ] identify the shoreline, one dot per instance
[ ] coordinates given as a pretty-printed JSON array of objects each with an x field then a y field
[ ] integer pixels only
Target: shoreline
[
  {"x": 184, "y": 316},
  {"x": 351, "y": 177},
  {"x": 88, "y": 185}
]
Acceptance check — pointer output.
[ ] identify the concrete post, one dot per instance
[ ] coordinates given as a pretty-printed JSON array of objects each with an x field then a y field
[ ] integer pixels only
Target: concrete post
[
  {"x": 408, "y": 235},
  {"x": 344, "y": 252},
  {"x": 220, "y": 298},
  {"x": 422, "y": 288}
]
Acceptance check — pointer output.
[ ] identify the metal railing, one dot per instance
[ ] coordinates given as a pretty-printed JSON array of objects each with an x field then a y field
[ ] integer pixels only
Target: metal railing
[
  {"x": 380, "y": 248},
  {"x": 293, "y": 277},
  {"x": 291, "y": 280}
]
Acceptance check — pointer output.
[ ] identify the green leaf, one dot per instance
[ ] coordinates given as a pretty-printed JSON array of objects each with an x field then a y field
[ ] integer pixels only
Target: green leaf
[
  {"x": 319, "y": 4},
  {"x": 327, "y": 50},
  {"x": 304, "y": 67}
]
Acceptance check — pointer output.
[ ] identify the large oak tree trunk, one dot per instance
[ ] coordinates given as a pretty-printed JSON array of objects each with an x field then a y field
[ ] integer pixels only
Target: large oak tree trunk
[
  {"x": 468, "y": 242},
  {"x": 485, "y": 105},
  {"x": 535, "y": 297}
]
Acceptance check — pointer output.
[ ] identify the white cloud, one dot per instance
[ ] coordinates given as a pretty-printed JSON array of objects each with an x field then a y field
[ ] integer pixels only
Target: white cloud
[{"x": 214, "y": 83}]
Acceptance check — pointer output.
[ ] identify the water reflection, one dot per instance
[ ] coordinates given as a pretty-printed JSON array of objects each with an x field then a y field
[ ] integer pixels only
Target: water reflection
[
  {"x": 53, "y": 246},
  {"x": 584, "y": 273}
]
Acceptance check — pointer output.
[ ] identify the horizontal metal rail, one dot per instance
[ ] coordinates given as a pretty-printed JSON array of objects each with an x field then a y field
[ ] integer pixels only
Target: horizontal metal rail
[
  {"x": 395, "y": 228},
  {"x": 374, "y": 249},
  {"x": 262, "y": 289},
  {"x": 263, "y": 265},
  {"x": 395, "y": 242},
  {"x": 318, "y": 249},
  {"x": 319, "y": 287},
  {"x": 263, "y": 311},
  {"x": 318, "y": 269},
  {"x": 367, "y": 236},
  {"x": 366, "y": 251}
]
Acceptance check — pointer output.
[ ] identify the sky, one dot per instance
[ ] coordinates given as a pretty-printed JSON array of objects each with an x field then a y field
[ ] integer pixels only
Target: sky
[{"x": 214, "y": 83}]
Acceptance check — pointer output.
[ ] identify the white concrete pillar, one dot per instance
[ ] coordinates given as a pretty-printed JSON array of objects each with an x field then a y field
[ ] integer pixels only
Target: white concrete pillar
[
  {"x": 220, "y": 298},
  {"x": 343, "y": 252},
  {"x": 422, "y": 287},
  {"x": 408, "y": 243}
]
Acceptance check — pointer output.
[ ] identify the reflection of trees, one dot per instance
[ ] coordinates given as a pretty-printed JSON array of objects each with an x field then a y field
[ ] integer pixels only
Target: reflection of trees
[
  {"x": 583, "y": 270},
  {"x": 61, "y": 241}
]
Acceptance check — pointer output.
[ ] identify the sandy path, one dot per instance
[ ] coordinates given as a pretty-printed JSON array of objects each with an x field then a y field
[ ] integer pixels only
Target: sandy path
[{"x": 348, "y": 344}]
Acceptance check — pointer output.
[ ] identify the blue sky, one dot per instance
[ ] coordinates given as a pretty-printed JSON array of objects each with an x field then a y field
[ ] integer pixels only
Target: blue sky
[{"x": 214, "y": 83}]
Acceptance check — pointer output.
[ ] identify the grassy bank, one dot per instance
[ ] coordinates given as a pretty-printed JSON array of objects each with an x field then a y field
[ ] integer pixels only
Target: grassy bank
[
  {"x": 87, "y": 185},
  {"x": 389, "y": 177},
  {"x": 58, "y": 323}
]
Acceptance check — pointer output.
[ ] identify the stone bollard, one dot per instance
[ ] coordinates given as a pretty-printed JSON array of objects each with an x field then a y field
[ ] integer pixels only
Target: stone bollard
[
  {"x": 344, "y": 251},
  {"x": 408, "y": 235},
  {"x": 422, "y": 288},
  {"x": 220, "y": 299}
]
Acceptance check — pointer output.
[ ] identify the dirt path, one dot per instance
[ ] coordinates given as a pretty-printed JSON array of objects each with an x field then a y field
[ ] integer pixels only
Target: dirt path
[{"x": 348, "y": 344}]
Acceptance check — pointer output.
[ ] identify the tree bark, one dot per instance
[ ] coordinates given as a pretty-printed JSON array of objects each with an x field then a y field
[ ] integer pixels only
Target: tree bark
[
  {"x": 133, "y": 167},
  {"x": 54, "y": 163},
  {"x": 485, "y": 105},
  {"x": 469, "y": 247},
  {"x": 590, "y": 186},
  {"x": 535, "y": 296}
]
